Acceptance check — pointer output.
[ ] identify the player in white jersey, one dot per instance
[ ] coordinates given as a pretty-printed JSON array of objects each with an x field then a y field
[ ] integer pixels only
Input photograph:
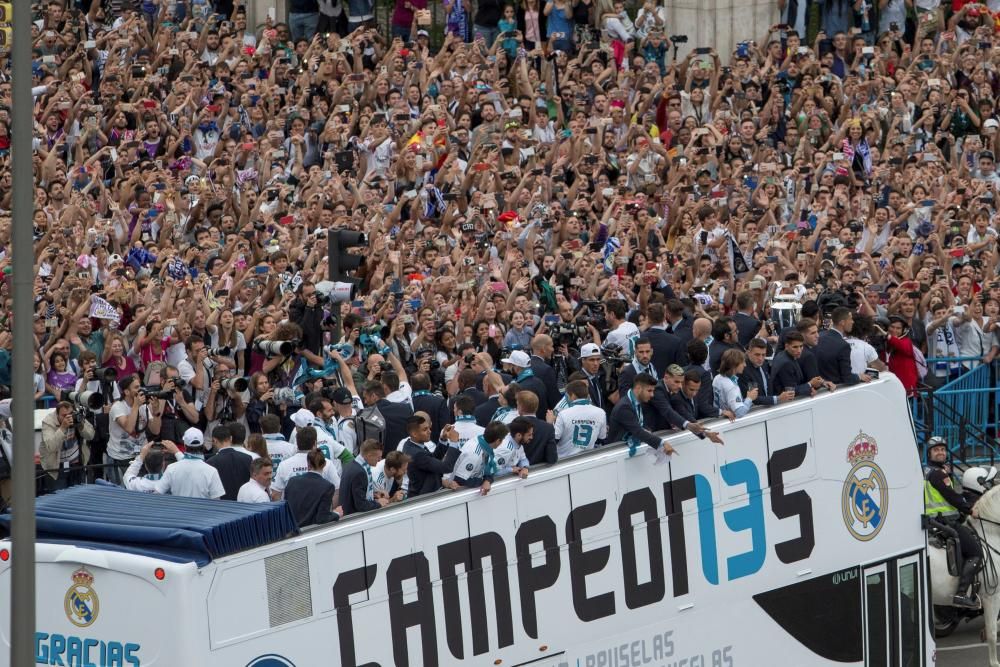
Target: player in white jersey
[
  {"x": 278, "y": 448},
  {"x": 510, "y": 455},
  {"x": 298, "y": 465},
  {"x": 389, "y": 476},
  {"x": 581, "y": 424},
  {"x": 477, "y": 462}
]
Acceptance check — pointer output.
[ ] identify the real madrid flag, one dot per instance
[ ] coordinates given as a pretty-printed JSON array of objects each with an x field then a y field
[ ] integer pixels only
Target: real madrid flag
[{"x": 737, "y": 261}]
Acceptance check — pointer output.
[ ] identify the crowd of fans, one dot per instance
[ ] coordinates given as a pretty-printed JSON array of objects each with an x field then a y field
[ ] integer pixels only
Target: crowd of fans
[{"x": 574, "y": 235}]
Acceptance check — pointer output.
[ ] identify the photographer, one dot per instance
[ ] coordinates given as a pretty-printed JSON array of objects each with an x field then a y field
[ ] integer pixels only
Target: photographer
[
  {"x": 129, "y": 419},
  {"x": 224, "y": 402},
  {"x": 282, "y": 366},
  {"x": 307, "y": 312},
  {"x": 65, "y": 435},
  {"x": 105, "y": 383},
  {"x": 174, "y": 413},
  {"x": 262, "y": 403}
]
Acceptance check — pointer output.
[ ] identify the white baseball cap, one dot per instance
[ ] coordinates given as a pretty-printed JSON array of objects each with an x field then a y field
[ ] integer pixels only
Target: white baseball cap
[
  {"x": 517, "y": 358},
  {"x": 590, "y": 350},
  {"x": 991, "y": 122},
  {"x": 193, "y": 437},
  {"x": 303, "y": 418}
]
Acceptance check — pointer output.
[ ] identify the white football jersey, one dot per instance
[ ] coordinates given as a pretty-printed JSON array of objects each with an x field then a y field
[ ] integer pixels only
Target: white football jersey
[{"x": 578, "y": 428}]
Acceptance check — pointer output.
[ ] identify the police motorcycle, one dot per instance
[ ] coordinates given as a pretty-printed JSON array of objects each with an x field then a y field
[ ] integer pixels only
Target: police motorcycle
[{"x": 945, "y": 558}]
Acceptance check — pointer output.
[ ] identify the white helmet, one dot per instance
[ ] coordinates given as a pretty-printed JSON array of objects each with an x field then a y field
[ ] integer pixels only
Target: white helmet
[{"x": 979, "y": 480}]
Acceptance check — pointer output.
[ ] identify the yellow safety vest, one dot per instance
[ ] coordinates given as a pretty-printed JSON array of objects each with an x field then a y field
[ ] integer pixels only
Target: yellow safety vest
[{"x": 935, "y": 504}]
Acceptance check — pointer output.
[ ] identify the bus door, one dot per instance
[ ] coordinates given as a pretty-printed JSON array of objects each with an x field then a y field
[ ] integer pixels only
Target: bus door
[{"x": 892, "y": 613}]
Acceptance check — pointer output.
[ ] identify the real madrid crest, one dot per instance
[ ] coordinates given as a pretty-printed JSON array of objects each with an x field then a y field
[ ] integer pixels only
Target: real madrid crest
[
  {"x": 865, "y": 501},
  {"x": 81, "y": 603}
]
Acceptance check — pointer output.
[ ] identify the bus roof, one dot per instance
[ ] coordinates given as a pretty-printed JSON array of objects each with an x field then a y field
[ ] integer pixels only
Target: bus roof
[{"x": 171, "y": 528}]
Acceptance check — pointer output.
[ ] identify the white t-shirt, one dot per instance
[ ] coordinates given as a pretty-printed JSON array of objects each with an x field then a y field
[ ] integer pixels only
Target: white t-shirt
[
  {"x": 296, "y": 465},
  {"x": 862, "y": 354},
  {"x": 191, "y": 478},
  {"x": 402, "y": 395},
  {"x": 326, "y": 443},
  {"x": 123, "y": 446},
  {"x": 252, "y": 492},
  {"x": 624, "y": 336},
  {"x": 578, "y": 428}
]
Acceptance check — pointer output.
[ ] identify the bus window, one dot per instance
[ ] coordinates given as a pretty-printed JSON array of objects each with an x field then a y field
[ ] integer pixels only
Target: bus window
[
  {"x": 876, "y": 617},
  {"x": 794, "y": 608},
  {"x": 909, "y": 613}
]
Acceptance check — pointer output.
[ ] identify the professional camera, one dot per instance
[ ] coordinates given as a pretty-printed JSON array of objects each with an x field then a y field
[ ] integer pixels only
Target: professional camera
[
  {"x": 179, "y": 383},
  {"x": 613, "y": 354},
  {"x": 285, "y": 396},
  {"x": 567, "y": 333},
  {"x": 277, "y": 348},
  {"x": 92, "y": 400},
  {"x": 106, "y": 374},
  {"x": 156, "y": 392},
  {"x": 238, "y": 385},
  {"x": 594, "y": 314},
  {"x": 225, "y": 351}
]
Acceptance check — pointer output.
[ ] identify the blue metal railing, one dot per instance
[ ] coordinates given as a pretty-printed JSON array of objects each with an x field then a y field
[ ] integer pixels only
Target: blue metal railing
[{"x": 963, "y": 410}]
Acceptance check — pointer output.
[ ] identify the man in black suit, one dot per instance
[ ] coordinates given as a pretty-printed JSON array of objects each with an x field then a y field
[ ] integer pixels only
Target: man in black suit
[
  {"x": 425, "y": 470},
  {"x": 807, "y": 360},
  {"x": 356, "y": 483},
  {"x": 542, "y": 448},
  {"x": 833, "y": 353},
  {"x": 630, "y": 419},
  {"x": 233, "y": 466},
  {"x": 747, "y": 325},
  {"x": 725, "y": 336},
  {"x": 680, "y": 321},
  {"x": 641, "y": 362},
  {"x": 424, "y": 400},
  {"x": 667, "y": 348},
  {"x": 542, "y": 349},
  {"x": 590, "y": 365},
  {"x": 687, "y": 403},
  {"x": 519, "y": 365},
  {"x": 786, "y": 373},
  {"x": 665, "y": 416},
  {"x": 757, "y": 373},
  {"x": 310, "y": 496},
  {"x": 697, "y": 353},
  {"x": 395, "y": 415}
]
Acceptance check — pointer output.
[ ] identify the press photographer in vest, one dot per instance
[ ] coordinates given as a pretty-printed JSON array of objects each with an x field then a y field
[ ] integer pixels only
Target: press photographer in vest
[{"x": 65, "y": 438}]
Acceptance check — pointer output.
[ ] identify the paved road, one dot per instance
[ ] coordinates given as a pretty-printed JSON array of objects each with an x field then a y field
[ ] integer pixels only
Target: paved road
[{"x": 963, "y": 648}]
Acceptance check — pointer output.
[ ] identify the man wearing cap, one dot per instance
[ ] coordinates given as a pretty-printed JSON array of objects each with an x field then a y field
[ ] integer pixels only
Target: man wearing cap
[
  {"x": 987, "y": 170},
  {"x": 518, "y": 364},
  {"x": 944, "y": 503},
  {"x": 190, "y": 476},
  {"x": 344, "y": 409}
]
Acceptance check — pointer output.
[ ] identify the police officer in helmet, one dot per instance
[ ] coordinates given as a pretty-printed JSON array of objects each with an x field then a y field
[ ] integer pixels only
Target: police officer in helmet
[{"x": 944, "y": 503}]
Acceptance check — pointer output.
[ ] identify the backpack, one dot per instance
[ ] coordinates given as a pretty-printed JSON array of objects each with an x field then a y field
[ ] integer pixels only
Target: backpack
[{"x": 369, "y": 424}]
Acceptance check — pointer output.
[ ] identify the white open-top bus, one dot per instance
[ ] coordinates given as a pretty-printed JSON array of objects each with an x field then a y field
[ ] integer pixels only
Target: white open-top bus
[{"x": 798, "y": 543}]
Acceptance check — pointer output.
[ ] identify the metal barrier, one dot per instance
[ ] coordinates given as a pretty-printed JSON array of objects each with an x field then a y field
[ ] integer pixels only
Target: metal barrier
[{"x": 963, "y": 411}]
